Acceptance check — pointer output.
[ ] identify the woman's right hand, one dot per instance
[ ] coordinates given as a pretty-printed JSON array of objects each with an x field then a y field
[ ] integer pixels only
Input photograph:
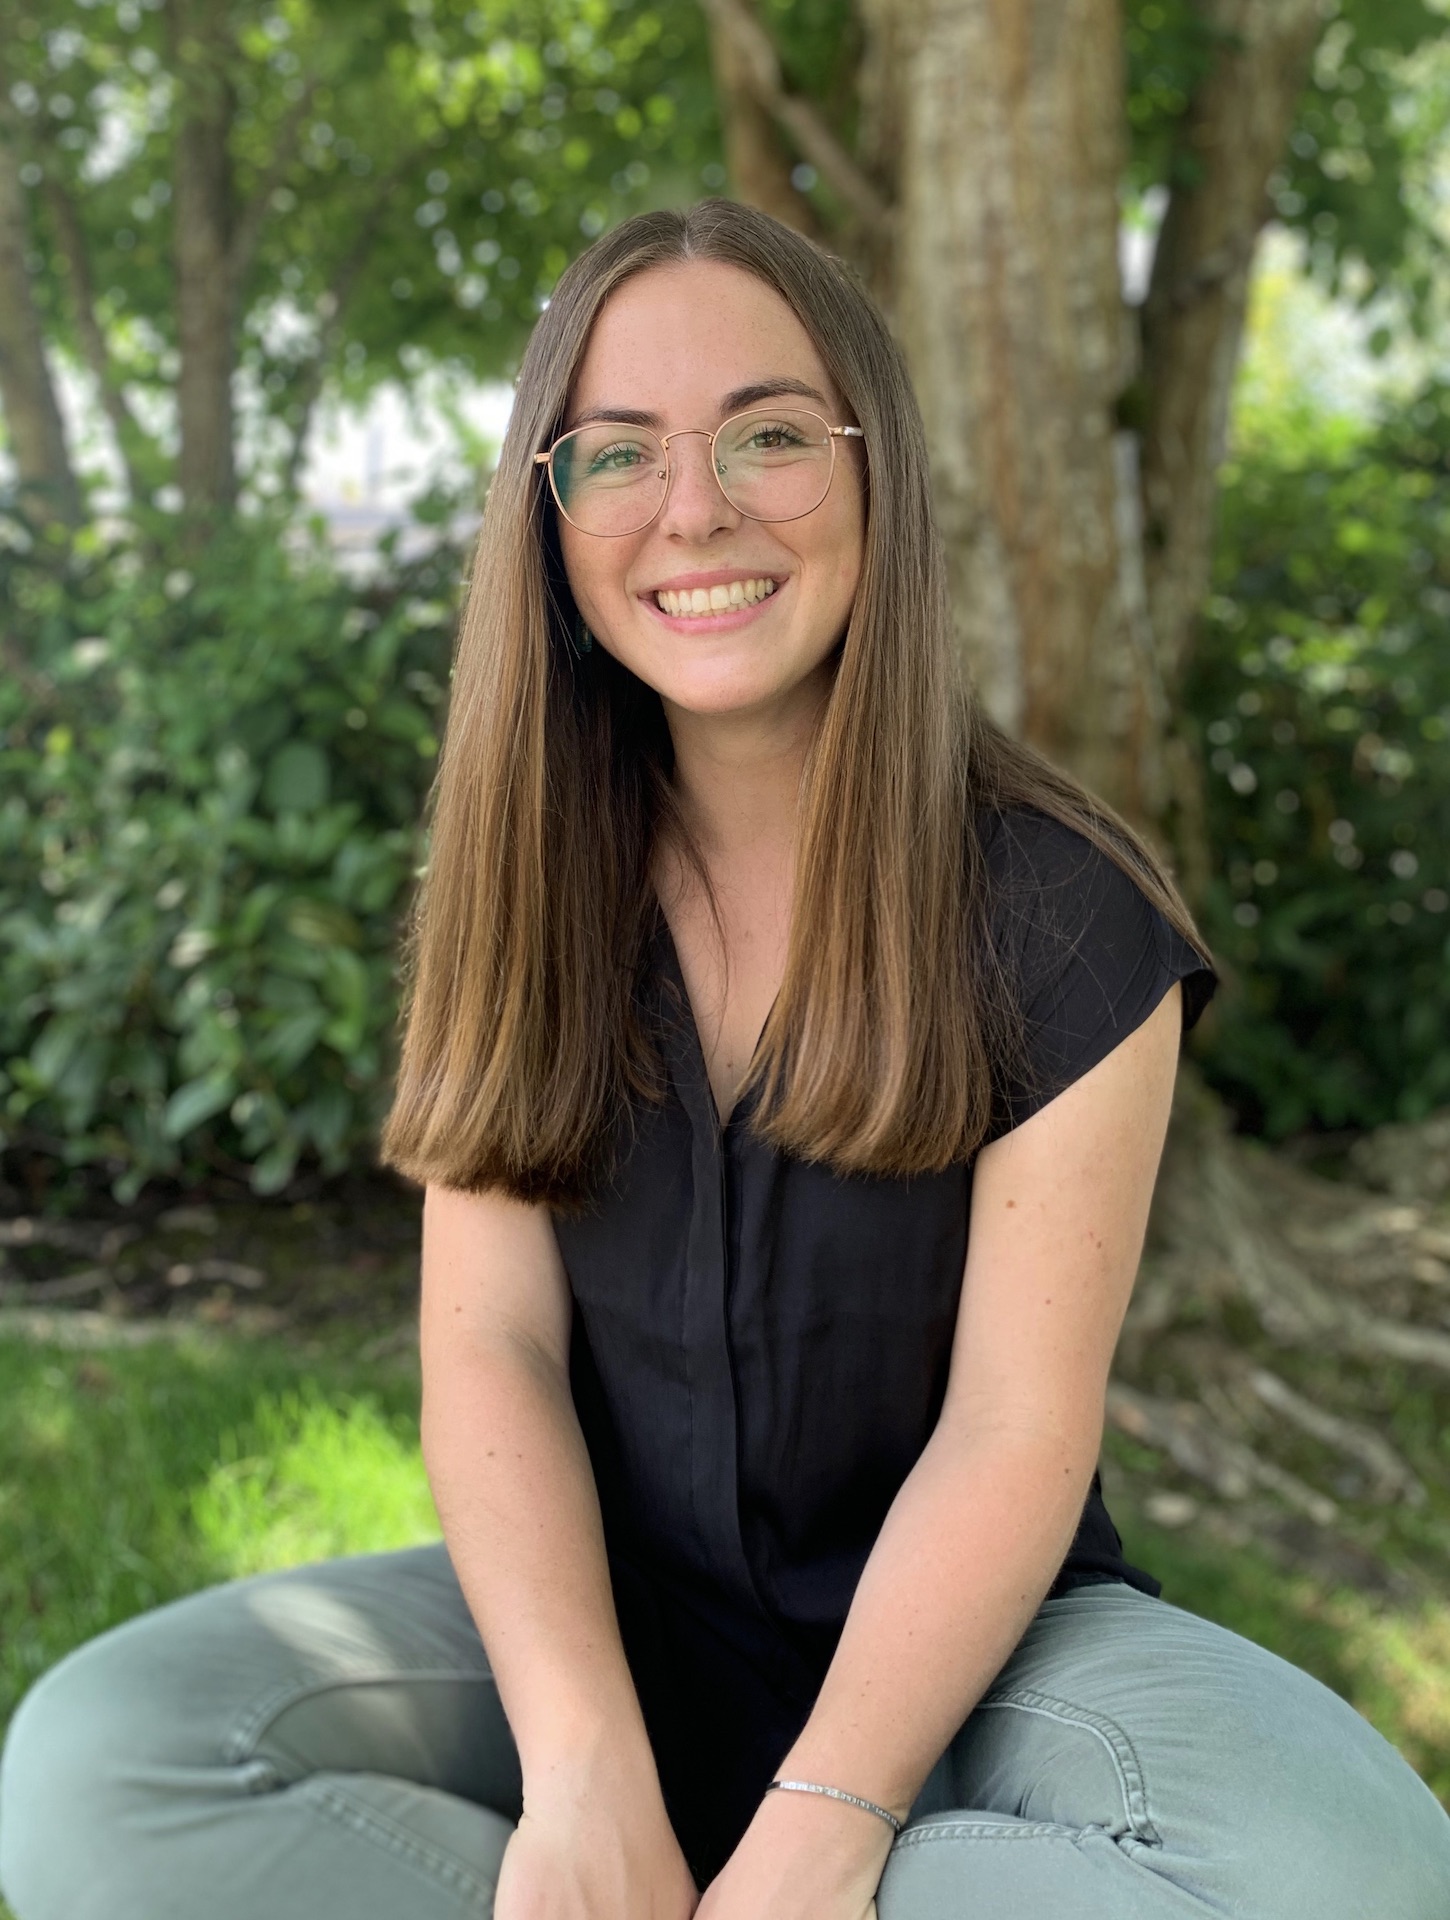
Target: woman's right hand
[{"x": 594, "y": 1854}]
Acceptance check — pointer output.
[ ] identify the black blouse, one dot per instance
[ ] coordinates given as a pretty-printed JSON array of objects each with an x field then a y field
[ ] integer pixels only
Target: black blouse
[{"x": 760, "y": 1346}]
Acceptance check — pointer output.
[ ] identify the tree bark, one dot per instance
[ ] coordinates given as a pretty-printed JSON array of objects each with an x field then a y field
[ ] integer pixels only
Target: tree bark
[
  {"x": 754, "y": 101},
  {"x": 202, "y": 197},
  {"x": 46, "y": 481},
  {"x": 1007, "y": 122},
  {"x": 132, "y": 443},
  {"x": 1233, "y": 136},
  {"x": 756, "y": 155}
]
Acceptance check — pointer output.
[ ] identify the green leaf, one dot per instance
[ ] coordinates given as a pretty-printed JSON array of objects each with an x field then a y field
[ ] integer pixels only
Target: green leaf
[
  {"x": 299, "y": 778},
  {"x": 197, "y": 1101},
  {"x": 276, "y": 1166},
  {"x": 292, "y": 1039}
]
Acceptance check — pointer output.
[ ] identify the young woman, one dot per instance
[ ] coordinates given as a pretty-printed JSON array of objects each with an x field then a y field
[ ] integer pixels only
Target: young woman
[{"x": 788, "y": 1062}]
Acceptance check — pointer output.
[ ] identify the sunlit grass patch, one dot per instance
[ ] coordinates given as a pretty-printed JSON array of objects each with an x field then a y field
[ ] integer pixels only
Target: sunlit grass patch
[
  {"x": 132, "y": 1476},
  {"x": 1401, "y": 1663},
  {"x": 307, "y": 1478}
]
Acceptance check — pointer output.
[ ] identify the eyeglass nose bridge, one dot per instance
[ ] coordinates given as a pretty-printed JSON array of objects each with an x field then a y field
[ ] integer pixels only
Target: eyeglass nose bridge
[{"x": 684, "y": 433}]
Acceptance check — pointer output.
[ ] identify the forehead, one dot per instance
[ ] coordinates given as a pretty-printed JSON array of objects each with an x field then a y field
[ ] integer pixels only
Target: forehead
[{"x": 677, "y": 340}]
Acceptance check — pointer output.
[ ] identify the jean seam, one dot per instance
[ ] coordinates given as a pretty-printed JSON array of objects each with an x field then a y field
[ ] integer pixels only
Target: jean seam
[
  {"x": 366, "y": 1820},
  {"x": 1120, "y": 1748},
  {"x": 1134, "y": 1853},
  {"x": 240, "y": 1741}
]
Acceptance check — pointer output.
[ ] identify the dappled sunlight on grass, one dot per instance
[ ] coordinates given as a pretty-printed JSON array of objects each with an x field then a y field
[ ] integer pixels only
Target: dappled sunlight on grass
[
  {"x": 1401, "y": 1664},
  {"x": 307, "y": 1479},
  {"x": 130, "y": 1477},
  {"x": 44, "y": 1413}
]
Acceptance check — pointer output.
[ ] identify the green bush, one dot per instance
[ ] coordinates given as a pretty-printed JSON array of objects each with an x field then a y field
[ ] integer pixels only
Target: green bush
[
  {"x": 1321, "y": 700},
  {"x": 211, "y": 781}
]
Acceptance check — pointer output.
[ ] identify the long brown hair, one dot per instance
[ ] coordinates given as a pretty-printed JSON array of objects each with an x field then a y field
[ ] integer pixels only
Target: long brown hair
[{"x": 524, "y": 1043}]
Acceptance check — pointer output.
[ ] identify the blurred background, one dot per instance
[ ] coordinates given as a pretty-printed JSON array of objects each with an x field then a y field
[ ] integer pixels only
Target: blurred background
[{"x": 1172, "y": 279}]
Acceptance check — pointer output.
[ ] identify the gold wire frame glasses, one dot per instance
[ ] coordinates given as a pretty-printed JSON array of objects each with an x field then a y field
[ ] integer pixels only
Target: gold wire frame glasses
[{"x": 771, "y": 463}]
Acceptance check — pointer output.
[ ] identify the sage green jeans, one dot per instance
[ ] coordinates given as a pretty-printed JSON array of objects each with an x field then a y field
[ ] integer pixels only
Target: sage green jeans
[{"x": 327, "y": 1744}]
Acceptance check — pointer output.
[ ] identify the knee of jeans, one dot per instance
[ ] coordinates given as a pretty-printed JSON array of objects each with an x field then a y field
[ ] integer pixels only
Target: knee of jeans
[
  {"x": 1363, "y": 1834},
  {"x": 70, "y": 1767}
]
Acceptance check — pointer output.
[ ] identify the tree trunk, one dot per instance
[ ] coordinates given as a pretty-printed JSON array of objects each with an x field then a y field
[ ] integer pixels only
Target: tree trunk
[
  {"x": 46, "y": 481},
  {"x": 132, "y": 442},
  {"x": 1007, "y": 122},
  {"x": 202, "y": 198},
  {"x": 1193, "y": 319},
  {"x": 756, "y": 154},
  {"x": 1079, "y": 554},
  {"x": 753, "y": 97}
]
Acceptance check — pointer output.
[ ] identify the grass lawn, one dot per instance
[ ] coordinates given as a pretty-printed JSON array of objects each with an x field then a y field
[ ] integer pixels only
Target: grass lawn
[{"x": 130, "y": 1475}]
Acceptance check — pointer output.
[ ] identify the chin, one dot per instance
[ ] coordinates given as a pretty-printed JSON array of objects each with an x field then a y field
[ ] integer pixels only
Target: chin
[{"x": 719, "y": 691}]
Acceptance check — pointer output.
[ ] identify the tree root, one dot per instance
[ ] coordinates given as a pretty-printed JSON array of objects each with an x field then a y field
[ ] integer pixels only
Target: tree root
[
  {"x": 1185, "y": 1432},
  {"x": 1247, "y": 1251},
  {"x": 1392, "y": 1478},
  {"x": 1219, "y": 1230}
]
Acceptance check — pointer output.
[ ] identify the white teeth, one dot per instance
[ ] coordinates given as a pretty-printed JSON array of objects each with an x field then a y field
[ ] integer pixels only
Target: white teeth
[{"x": 696, "y": 600}]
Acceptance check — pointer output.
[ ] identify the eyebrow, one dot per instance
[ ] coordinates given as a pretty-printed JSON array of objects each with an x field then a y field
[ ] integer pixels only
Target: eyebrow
[{"x": 733, "y": 402}]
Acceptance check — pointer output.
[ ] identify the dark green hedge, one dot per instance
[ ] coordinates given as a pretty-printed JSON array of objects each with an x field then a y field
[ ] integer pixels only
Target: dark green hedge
[
  {"x": 211, "y": 781},
  {"x": 1321, "y": 699}
]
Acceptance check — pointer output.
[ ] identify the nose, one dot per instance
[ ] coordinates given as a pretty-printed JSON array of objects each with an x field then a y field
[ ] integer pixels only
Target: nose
[{"x": 694, "y": 507}]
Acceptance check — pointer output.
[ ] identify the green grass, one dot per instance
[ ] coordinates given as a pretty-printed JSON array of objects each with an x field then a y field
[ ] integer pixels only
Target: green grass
[{"x": 130, "y": 1476}]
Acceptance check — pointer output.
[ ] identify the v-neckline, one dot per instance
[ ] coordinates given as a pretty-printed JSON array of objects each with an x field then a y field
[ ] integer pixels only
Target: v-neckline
[{"x": 697, "y": 1045}]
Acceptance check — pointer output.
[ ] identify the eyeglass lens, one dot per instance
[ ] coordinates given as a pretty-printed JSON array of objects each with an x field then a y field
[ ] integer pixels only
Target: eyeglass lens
[{"x": 772, "y": 465}]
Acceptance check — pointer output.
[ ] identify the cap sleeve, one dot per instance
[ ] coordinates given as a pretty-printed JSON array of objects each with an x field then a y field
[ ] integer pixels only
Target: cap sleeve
[{"x": 1090, "y": 954}]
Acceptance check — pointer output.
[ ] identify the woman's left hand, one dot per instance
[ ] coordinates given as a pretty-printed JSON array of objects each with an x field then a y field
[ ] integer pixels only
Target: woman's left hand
[{"x": 803, "y": 1857}]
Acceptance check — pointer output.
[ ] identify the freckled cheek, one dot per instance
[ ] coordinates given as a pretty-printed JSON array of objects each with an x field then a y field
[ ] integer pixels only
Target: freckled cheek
[{"x": 598, "y": 580}]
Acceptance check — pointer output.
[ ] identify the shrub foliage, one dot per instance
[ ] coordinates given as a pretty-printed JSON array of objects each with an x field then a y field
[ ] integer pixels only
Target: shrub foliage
[
  {"x": 211, "y": 783},
  {"x": 1321, "y": 700}
]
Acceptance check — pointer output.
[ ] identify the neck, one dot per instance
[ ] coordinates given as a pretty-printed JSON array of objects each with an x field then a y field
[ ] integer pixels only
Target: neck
[{"x": 738, "y": 775}]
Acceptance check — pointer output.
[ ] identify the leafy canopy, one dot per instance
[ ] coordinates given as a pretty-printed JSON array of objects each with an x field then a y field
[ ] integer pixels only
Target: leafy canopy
[{"x": 410, "y": 180}]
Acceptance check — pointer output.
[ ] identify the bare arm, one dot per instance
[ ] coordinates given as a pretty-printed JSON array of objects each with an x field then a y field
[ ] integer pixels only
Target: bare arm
[
  {"x": 515, "y": 1492},
  {"x": 984, "y": 1519}
]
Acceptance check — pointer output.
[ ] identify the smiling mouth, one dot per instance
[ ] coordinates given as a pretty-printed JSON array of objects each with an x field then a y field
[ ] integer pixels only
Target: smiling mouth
[{"x": 691, "y": 602}]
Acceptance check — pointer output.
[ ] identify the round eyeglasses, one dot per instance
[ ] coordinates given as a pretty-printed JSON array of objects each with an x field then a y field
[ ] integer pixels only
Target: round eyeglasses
[{"x": 774, "y": 463}]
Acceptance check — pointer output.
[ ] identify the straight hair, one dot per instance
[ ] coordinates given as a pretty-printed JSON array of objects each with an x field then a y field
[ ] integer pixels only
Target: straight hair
[{"x": 524, "y": 1043}]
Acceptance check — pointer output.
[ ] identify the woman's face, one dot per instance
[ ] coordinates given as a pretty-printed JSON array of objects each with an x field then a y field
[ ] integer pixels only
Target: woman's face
[{"x": 680, "y": 344}]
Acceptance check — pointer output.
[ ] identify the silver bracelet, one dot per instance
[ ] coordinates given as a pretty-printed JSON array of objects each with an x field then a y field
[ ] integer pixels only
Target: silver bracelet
[{"x": 835, "y": 1793}]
